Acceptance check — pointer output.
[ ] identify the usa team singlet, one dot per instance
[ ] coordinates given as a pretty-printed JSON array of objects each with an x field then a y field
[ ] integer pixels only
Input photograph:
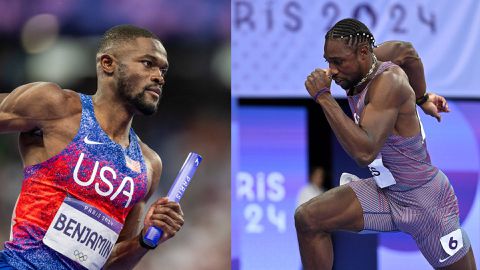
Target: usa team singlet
[
  {"x": 72, "y": 207},
  {"x": 407, "y": 193}
]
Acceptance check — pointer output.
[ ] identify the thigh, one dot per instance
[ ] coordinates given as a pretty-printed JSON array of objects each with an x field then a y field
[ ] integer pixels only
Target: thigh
[
  {"x": 377, "y": 214},
  {"x": 446, "y": 255},
  {"x": 336, "y": 209},
  {"x": 430, "y": 215}
]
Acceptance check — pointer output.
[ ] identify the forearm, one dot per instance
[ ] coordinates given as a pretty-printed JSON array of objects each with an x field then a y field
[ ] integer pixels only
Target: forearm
[
  {"x": 413, "y": 67},
  {"x": 354, "y": 140},
  {"x": 126, "y": 254}
]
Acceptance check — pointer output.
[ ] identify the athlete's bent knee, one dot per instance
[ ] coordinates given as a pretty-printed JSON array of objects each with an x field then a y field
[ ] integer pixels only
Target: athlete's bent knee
[{"x": 304, "y": 222}]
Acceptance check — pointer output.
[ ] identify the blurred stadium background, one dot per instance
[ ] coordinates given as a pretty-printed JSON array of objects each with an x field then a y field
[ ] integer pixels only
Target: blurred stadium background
[{"x": 56, "y": 41}]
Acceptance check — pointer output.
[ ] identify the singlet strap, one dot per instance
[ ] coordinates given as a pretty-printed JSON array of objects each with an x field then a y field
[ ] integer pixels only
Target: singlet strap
[
  {"x": 87, "y": 106},
  {"x": 380, "y": 70},
  {"x": 383, "y": 67}
]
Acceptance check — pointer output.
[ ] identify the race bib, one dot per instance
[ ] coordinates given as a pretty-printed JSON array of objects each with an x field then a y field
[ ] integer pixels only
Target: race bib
[
  {"x": 383, "y": 177},
  {"x": 82, "y": 233},
  {"x": 452, "y": 242}
]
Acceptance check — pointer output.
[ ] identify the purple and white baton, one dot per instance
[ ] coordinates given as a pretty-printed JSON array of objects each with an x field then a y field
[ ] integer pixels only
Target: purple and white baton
[{"x": 175, "y": 193}]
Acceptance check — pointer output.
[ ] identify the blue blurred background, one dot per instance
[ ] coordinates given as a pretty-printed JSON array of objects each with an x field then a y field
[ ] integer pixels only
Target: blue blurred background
[
  {"x": 56, "y": 41},
  {"x": 279, "y": 133}
]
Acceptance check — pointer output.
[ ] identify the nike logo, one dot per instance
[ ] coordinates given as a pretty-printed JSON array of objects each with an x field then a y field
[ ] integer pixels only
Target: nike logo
[
  {"x": 442, "y": 260},
  {"x": 87, "y": 141}
]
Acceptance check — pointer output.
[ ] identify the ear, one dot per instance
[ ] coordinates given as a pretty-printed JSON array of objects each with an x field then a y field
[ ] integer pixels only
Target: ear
[
  {"x": 107, "y": 63},
  {"x": 363, "y": 52}
]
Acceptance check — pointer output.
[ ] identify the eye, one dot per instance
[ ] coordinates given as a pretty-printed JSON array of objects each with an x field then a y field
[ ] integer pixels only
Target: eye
[
  {"x": 337, "y": 62},
  {"x": 147, "y": 63},
  {"x": 164, "y": 71}
]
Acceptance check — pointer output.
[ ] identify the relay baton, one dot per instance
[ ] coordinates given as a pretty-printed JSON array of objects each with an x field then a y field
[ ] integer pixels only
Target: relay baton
[{"x": 175, "y": 193}]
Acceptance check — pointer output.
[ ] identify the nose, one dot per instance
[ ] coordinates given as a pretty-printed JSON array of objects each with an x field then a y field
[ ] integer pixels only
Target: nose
[
  {"x": 157, "y": 76},
  {"x": 333, "y": 69}
]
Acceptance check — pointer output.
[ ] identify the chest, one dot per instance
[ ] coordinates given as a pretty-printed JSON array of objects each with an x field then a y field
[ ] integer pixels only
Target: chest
[
  {"x": 93, "y": 168},
  {"x": 102, "y": 172}
]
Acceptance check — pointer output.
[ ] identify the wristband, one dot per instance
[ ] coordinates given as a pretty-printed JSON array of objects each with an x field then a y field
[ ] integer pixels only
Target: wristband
[
  {"x": 421, "y": 100},
  {"x": 321, "y": 91},
  {"x": 143, "y": 244}
]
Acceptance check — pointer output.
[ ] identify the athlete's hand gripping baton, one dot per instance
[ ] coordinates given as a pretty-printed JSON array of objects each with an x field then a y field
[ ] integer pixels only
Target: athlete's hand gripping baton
[{"x": 175, "y": 193}]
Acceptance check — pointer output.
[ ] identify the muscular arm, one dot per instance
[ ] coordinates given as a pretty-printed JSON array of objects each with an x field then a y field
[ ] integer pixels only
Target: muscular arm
[
  {"x": 3, "y": 96},
  {"x": 29, "y": 106},
  {"x": 404, "y": 55},
  {"x": 127, "y": 251},
  {"x": 363, "y": 142}
]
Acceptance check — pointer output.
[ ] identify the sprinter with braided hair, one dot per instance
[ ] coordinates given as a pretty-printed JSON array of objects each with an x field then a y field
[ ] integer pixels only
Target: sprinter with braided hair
[
  {"x": 352, "y": 31},
  {"x": 406, "y": 191}
]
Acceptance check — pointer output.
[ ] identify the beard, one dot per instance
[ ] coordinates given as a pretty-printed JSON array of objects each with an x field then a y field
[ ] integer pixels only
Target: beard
[
  {"x": 347, "y": 84},
  {"x": 138, "y": 101},
  {"x": 344, "y": 84}
]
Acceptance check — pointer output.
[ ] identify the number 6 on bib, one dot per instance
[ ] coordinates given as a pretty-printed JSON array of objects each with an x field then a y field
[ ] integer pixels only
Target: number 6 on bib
[{"x": 452, "y": 242}]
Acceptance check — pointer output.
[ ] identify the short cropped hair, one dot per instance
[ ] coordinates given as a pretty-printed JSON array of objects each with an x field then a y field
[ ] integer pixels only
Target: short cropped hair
[
  {"x": 353, "y": 32},
  {"x": 122, "y": 33}
]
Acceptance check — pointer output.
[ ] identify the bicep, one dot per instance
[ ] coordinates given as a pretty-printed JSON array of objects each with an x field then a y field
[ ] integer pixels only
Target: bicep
[
  {"x": 380, "y": 114},
  {"x": 3, "y": 96},
  {"x": 378, "y": 122},
  {"x": 386, "y": 51},
  {"x": 398, "y": 52},
  {"x": 26, "y": 106},
  {"x": 14, "y": 112}
]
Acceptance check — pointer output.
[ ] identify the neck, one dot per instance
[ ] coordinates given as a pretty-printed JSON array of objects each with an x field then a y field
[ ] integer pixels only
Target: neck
[
  {"x": 112, "y": 114},
  {"x": 368, "y": 75}
]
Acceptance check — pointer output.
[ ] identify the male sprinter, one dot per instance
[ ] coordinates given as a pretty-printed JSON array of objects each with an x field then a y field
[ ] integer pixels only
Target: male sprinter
[
  {"x": 406, "y": 192},
  {"x": 87, "y": 174}
]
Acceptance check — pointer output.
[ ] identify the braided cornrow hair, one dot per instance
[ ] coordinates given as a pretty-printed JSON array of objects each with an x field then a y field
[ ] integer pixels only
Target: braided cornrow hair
[{"x": 352, "y": 31}]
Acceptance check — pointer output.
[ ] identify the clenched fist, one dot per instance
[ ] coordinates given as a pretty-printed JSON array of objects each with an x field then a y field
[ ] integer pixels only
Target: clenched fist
[{"x": 318, "y": 80}]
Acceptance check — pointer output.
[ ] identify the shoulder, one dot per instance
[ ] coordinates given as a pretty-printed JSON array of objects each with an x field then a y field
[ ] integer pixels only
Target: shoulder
[
  {"x": 44, "y": 97},
  {"x": 393, "y": 75},
  {"x": 390, "y": 87},
  {"x": 47, "y": 90}
]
